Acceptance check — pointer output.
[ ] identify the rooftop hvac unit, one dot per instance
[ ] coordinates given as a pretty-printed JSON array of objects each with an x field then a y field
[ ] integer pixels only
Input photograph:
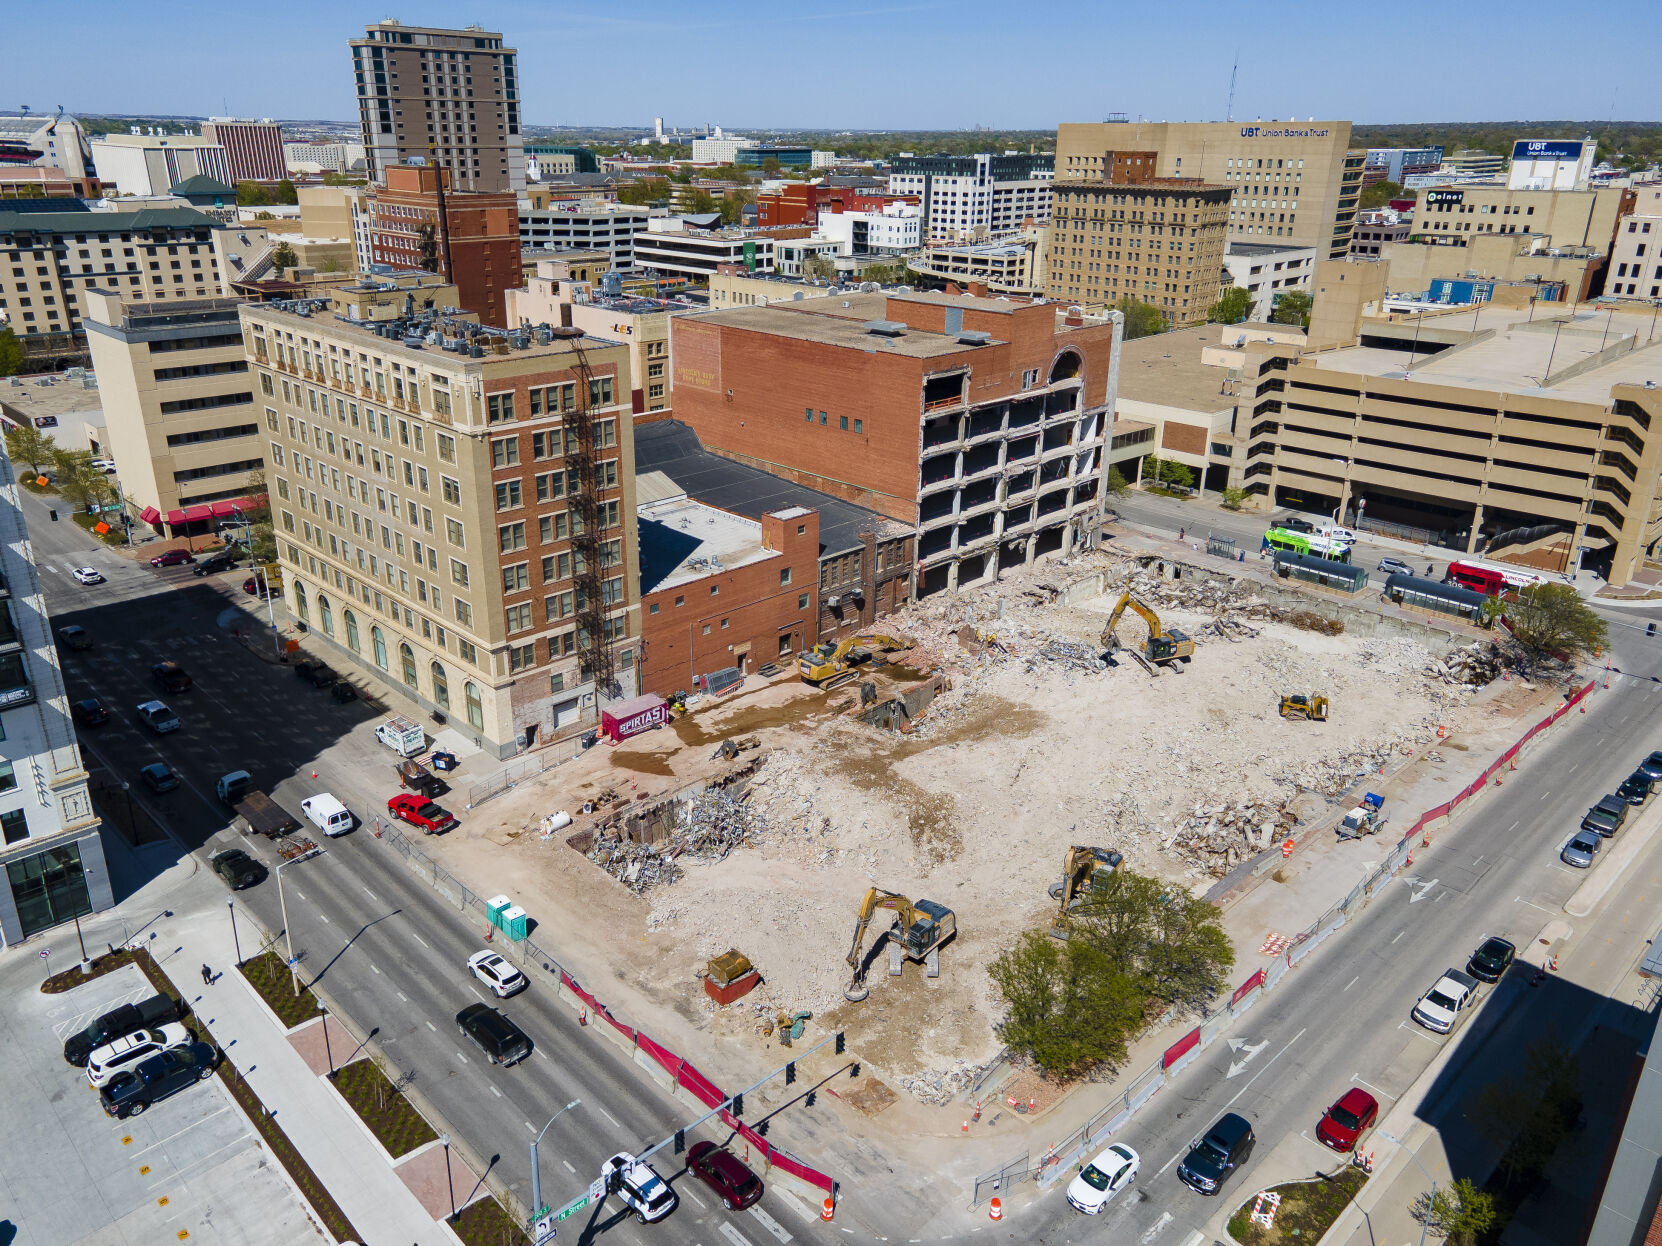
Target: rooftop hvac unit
[
  {"x": 975, "y": 337},
  {"x": 883, "y": 328}
]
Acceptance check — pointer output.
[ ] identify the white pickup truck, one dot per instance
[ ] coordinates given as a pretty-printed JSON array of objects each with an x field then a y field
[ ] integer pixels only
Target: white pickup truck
[{"x": 1451, "y": 998}]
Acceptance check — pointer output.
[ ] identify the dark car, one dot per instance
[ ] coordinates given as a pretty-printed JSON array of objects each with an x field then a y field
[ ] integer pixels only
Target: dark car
[
  {"x": 343, "y": 691},
  {"x": 74, "y": 637},
  {"x": 1606, "y": 817},
  {"x": 500, "y": 1039},
  {"x": 130, "y": 1093},
  {"x": 158, "y": 777},
  {"x": 118, "y": 1023},
  {"x": 1491, "y": 960},
  {"x": 718, "y": 1168},
  {"x": 1652, "y": 765},
  {"x": 317, "y": 674},
  {"x": 1218, "y": 1152},
  {"x": 173, "y": 558},
  {"x": 171, "y": 677},
  {"x": 1294, "y": 524},
  {"x": 1636, "y": 787},
  {"x": 90, "y": 713},
  {"x": 255, "y": 588},
  {"x": 224, "y": 560},
  {"x": 239, "y": 870}
]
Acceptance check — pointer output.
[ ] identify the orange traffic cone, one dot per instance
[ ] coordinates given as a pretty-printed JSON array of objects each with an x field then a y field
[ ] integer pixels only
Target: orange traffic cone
[
  {"x": 583, "y": 1015},
  {"x": 995, "y": 1210},
  {"x": 828, "y": 1209}
]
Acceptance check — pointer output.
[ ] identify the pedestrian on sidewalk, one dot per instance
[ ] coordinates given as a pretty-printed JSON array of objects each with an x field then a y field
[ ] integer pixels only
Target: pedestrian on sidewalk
[
  {"x": 207, "y": 976},
  {"x": 1180, "y": 533}
]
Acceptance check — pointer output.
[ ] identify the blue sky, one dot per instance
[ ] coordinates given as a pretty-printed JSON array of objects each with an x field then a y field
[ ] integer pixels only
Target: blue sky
[{"x": 913, "y": 64}]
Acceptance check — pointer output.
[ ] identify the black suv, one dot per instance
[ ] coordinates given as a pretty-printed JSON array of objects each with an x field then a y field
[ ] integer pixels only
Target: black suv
[
  {"x": 214, "y": 563},
  {"x": 1636, "y": 787},
  {"x": 1606, "y": 817},
  {"x": 151, "y": 1081},
  {"x": 1491, "y": 960},
  {"x": 318, "y": 674},
  {"x": 1221, "y": 1150},
  {"x": 171, "y": 677},
  {"x": 500, "y": 1039},
  {"x": 237, "y": 868},
  {"x": 118, "y": 1023}
]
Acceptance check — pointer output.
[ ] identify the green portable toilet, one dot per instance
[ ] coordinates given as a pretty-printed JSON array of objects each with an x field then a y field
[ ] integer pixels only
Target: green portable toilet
[
  {"x": 495, "y": 907},
  {"x": 513, "y": 922}
]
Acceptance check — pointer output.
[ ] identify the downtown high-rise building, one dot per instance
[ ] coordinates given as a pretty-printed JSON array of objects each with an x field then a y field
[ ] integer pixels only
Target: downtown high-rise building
[{"x": 450, "y": 97}]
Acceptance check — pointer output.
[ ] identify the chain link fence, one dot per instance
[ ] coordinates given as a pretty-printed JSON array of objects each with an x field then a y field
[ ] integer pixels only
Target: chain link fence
[{"x": 510, "y": 776}]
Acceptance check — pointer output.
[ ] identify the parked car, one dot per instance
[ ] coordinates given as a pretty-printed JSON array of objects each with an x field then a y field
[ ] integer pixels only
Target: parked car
[
  {"x": 254, "y": 588},
  {"x": 156, "y": 716},
  {"x": 142, "y": 1014},
  {"x": 342, "y": 691},
  {"x": 317, "y": 674},
  {"x": 1395, "y": 566},
  {"x": 497, "y": 974},
  {"x": 326, "y": 812},
  {"x": 1101, "y": 1179},
  {"x": 90, "y": 712},
  {"x": 120, "y": 1054},
  {"x": 239, "y": 870},
  {"x": 1492, "y": 959},
  {"x": 75, "y": 637},
  {"x": 155, "y": 1079},
  {"x": 158, "y": 777},
  {"x": 1652, "y": 765},
  {"x": 173, "y": 558},
  {"x": 717, "y": 1167},
  {"x": 1439, "y": 1008},
  {"x": 87, "y": 575},
  {"x": 1216, "y": 1153},
  {"x": 500, "y": 1039},
  {"x": 1343, "y": 1123},
  {"x": 171, "y": 677},
  {"x": 1636, "y": 787},
  {"x": 1607, "y": 816},
  {"x": 646, "y": 1193},
  {"x": 1582, "y": 850},
  {"x": 1294, "y": 524},
  {"x": 421, "y": 812},
  {"x": 224, "y": 560},
  {"x": 107, "y": 466}
]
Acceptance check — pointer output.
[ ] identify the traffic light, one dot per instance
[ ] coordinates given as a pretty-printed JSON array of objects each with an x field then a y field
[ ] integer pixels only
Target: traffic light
[
  {"x": 680, "y": 1141},
  {"x": 762, "y": 1129},
  {"x": 809, "y": 1101},
  {"x": 738, "y": 1105},
  {"x": 790, "y": 1072},
  {"x": 841, "y": 1042},
  {"x": 614, "y": 1181}
]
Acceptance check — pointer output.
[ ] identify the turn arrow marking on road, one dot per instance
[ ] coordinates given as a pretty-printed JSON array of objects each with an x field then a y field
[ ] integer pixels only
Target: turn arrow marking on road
[
  {"x": 1418, "y": 888},
  {"x": 1240, "y": 1044}
]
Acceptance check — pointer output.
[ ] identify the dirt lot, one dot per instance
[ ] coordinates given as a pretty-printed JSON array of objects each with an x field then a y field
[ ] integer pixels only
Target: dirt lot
[{"x": 973, "y": 807}]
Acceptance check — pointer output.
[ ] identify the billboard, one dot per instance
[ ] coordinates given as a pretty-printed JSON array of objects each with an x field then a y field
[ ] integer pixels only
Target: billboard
[{"x": 1548, "y": 149}]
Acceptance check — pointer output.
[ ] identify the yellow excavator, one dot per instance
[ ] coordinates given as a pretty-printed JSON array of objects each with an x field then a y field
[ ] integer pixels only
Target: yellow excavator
[
  {"x": 1160, "y": 649},
  {"x": 830, "y": 666},
  {"x": 917, "y": 931},
  {"x": 1083, "y": 868}
]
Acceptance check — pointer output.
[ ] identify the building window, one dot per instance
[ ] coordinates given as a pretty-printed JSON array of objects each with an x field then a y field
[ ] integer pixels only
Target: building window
[
  {"x": 300, "y": 601},
  {"x": 406, "y": 661},
  {"x": 8, "y": 778},
  {"x": 378, "y": 644},
  {"x": 441, "y": 687},
  {"x": 447, "y": 448},
  {"x": 505, "y": 452},
  {"x": 13, "y": 825},
  {"x": 453, "y": 530},
  {"x": 508, "y": 495},
  {"x": 511, "y": 536},
  {"x": 325, "y": 615},
  {"x": 49, "y": 888},
  {"x": 859, "y": 426},
  {"x": 802, "y": 601},
  {"x": 475, "y": 711},
  {"x": 352, "y": 631}
]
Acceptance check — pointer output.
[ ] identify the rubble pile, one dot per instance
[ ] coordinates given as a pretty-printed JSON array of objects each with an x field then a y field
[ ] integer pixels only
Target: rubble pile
[
  {"x": 1079, "y": 657},
  {"x": 708, "y": 826},
  {"x": 1475, "y": 664},
  {"x": 637, "y": 866},
  {"x": 1218, "y": 837},
  {"x": 940, "y": 1086},
  {"x": 1331, "y": 776}
]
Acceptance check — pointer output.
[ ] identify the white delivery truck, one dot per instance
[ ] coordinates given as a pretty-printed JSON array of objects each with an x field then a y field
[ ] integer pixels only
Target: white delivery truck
[
  {"x": 327, "y": 814},
  {"x": 402, "y": 736}
]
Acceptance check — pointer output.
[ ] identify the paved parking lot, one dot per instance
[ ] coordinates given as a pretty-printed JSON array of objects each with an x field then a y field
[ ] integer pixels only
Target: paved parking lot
[{"x": 191, "y": 1169}]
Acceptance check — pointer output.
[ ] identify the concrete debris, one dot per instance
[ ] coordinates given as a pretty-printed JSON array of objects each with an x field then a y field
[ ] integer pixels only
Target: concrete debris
[
  {"x": 708, "y": 826},
  {"x": 940, "y": 1086},
  {"x": 1476, "y": 664},
  {"x": 1218, "y": 837},
  {"x": 1069, "y": 653}
]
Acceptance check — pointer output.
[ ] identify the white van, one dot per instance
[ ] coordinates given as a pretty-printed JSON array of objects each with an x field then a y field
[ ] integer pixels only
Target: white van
[
  {"x": 328, "y": 814},
  {"x": 402, "y": 736}
]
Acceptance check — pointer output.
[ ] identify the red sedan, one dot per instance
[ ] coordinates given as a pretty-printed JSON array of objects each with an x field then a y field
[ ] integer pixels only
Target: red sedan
[
  {"x": 1355, "y": 1110},
  {"x": 721, "y": 1170},
  {"x": 173, "y": 558},
  {"x": 419, "y": 811}
]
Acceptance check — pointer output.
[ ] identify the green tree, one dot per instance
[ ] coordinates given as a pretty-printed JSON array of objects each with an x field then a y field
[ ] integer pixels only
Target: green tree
[
  {"x": 1461, "y": 1214},
  {"x": 771, "y": 166},
  {"x": 1234, "y": 497},
  {"x": 81, "y": 484},
  {"x": 1141, "y": 319},
  {"x": 1294, "y": 308},
  {"x": 1528, "y": 1112},
  {"x": 283, "y": 258},
  {"x": 647, "y": 190},
  {"x": 733, "y": 204},
  {"x": 1380, "y": 194},
  {"x": 286, "y": 192},
  {"x": 1553, "y": 618},
  {"x": 12, "y": 358},
  {"x": 819, "y": 267},
  {"x": 1171, "y": 472},
  {"x": 1172, "y": 941},
  {"x": 1118, "y": 486},
  {"x": 252, "y": 194},
  {"x": 1232, "y": 308},
  {"x": 701, "y": 200},
  {"x": 27, "y": 444}
]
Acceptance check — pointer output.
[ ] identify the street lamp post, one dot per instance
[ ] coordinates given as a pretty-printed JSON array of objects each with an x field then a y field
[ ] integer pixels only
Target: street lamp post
[
  {"x": 264, "y": 580},
  {"x": 536, "y": 1171},
  {"x": 327, "y": 1052},
  {"x": 1426, "y": 1223},
  {"x": 288, "y": 934},
  {"x": 444, "y": 1139},
  {"x": 236, "y": 940}
]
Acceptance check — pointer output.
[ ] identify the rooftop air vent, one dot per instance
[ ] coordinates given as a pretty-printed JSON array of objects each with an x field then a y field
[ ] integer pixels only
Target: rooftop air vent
[
  {"x": 975, "y": 337},
  {"x": 885, "y": 328}
]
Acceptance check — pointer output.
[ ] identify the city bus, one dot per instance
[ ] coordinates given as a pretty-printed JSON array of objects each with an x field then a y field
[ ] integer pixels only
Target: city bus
[
  {"x": 1310, "y": 544},
  {"x": 1491, "y": 578}
]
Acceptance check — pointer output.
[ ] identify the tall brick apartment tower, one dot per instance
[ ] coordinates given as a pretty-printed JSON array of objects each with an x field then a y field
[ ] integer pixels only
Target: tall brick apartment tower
[{"x": 473, "y": 241}]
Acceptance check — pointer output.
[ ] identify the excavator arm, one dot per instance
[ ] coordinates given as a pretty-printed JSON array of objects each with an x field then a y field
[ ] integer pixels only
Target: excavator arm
[
  {"x": 875, "y": 900},
  {"x": 1079, "y": 867}
]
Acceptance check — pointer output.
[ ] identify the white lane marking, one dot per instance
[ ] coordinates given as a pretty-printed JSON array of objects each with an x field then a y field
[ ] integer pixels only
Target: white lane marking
[
  {"x": 697, "y": 1202},
  {"x": 1372, "y": 1087},
  {"x": 1353, "y": 982},
  {"x": 170, "y": 1137},
  {"x": 463, "y": 1058},
  {"x": 1195, "y": 1238},
  {"x": 1573, "y": 768},
  {"x": 372, "y": 966},
  {"x": 496, "y": 1092},
  {"x": 402, "y": 996},
  {"x": 1237, "y": 1067},
  {"x": 1415, "y": 1031},
  {"x": 773, "y": 1226},
  {"x": 1156, "y": 1228},
  {"x": 609, "y": 1116},
  {"x": 530, "y": 1126},
  {"x": 368, "y": 892},
  {"x": 1263, "y": 1070},
  {"x": 791, "y": 1201},
  {"x": 432, "y": 1027},
  {"x": 1514, "y": 825},
  {"x": 1400, "y": 933},
  {"x": 421, "y": 941},
  {"x": 326, "y": 920},
  {"x": 566, "y": 1162},
  {"x": 733, "y": 1235},
  {"x": 300, "y": 893},
  {"x": 1531, "y": 903}
]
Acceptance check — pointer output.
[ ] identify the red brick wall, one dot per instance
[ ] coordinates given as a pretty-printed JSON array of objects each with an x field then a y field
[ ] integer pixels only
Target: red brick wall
[{"x": 757, "y": 607}]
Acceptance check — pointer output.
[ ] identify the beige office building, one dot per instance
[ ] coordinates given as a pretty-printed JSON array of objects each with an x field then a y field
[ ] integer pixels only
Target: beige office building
[
  {"x": 1158, "y": 241},
  {"x": 1293, "y": 180},
  {"x": 1015, "y": 264},
  {"x": 446, "y": 519},
  {"x": 1636, "y": 257}
]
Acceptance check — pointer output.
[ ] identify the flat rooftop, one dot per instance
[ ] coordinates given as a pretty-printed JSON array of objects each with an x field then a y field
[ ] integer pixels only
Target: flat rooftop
[
  {"x": 1166, "y": 368},
  {"x": 1515, "y": 355},
  {"x": 682, "y": 540},
  {"x": 1262, "y": 248},
  {"x": 842, "y": 323}
]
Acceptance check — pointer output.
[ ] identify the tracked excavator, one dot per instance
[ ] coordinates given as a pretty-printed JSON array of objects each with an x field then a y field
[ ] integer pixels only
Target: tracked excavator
[
  {"x": 830, "y": 666},
  {"x": 917, "y": 931},
  {"x": 1083, "y": 869},
  {"x": 1162, "y": 648}
]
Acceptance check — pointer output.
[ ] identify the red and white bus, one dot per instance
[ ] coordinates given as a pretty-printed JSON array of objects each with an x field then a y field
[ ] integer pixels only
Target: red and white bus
[{"x": 1490, "y": 578}]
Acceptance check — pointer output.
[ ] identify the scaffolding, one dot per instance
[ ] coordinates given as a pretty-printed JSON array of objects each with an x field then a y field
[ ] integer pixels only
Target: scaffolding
[{"x": 593, "y": 645}]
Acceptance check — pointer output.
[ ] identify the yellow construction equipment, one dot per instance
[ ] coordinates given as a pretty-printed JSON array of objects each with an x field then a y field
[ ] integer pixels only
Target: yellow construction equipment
[
  {"x": 1083, "y": 868},
  {"x": 916, "y": 933},
  {"x": 1312, "y": 707},
  {"x": 830, "y": 666},
  {"x": 1161, "y": 647}
]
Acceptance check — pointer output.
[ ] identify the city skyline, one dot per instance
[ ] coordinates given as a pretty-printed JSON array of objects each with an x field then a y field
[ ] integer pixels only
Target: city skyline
[{"x": 583, "y": 69}]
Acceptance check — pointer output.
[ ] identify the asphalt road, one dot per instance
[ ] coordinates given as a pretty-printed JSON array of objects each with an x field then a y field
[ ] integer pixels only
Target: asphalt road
[{"x": 387, "y": 949}]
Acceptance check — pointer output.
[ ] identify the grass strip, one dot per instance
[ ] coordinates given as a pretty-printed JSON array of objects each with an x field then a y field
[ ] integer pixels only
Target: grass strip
[
  {"x": 268, "y": 974},
  {"x": 383, "y": 1107},
  {"x": 1308, "y": 1209}
]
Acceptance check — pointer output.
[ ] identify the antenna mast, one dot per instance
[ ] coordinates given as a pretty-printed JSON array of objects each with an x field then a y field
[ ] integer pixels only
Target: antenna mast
[{"x": 1229, "y": 108}]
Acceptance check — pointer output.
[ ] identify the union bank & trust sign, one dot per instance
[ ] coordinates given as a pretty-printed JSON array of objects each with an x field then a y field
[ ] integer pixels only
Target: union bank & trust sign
[{"x": 1264, "y": 131}]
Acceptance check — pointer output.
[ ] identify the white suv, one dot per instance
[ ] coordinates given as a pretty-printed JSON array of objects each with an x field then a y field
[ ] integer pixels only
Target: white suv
[
  {"x": 123, "y": 1053},
  {"x": 496, "y": 973},
  {"x": 647, "y": 1194},
  {"x": 157, "y": 716}
]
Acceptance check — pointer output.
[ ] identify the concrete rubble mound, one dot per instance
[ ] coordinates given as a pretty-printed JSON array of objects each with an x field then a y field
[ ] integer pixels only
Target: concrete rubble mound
[
  {"x": 708, "y": 826},
  {"x": 1476, "y": 664}
]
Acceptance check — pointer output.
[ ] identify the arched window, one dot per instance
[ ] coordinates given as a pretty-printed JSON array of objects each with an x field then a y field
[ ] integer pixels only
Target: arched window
[
  {"x": 441, "y": 687},
  {"x": 378, "y": 643},
  {"x": 325, "y": 615},
  {"x": 352, "y": 631},
  {"x": 406, "y": 662},
  {"x": 1066, "y": 366},
  {"x": 300, "y": 601},
  {"x": 475, "y": 711}
]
